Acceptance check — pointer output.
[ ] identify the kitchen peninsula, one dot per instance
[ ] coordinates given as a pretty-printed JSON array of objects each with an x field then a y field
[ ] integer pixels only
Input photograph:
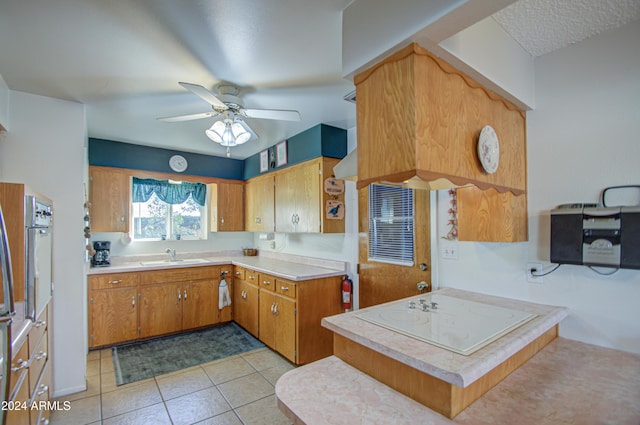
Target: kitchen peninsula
[{"x": 562, "y": 383}]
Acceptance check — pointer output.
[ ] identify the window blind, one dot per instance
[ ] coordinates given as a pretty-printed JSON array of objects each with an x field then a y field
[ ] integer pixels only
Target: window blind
[{"x": 391, "y": 225}]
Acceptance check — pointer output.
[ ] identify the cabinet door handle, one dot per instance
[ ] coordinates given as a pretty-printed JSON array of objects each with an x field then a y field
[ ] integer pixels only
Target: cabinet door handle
[
  {"x": 43, "y": 389},
  {"x": 185, "y": 294},
  {"x": 114, "y": 282},
  {"x": 179, "y": 295},
  {"x": 133, "y": 301},
  {"x": 41, "y": 355},
  {"x": 244, "y": 295},
  {"x": 275, "y": 309},
  {"x": 39, "y": 324},
  {"x": 21, "y": 364}
]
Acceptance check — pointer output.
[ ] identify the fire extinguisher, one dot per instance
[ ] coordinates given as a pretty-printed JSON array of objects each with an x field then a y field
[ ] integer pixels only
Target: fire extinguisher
[{"x": 347, "y": 286}]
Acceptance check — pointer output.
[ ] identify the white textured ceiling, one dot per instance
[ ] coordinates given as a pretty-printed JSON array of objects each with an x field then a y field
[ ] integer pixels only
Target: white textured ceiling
[
  {"x": 123, "y": 59},
  {"x": 543, "y": 26}
]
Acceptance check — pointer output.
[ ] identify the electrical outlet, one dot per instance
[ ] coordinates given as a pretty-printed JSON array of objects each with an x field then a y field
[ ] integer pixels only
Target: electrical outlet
[
  {"x": 449, "y": 250},
  {"x": 532, "y": 270}
]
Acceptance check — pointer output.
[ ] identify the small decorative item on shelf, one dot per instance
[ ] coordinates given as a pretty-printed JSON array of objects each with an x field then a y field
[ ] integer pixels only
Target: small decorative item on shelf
[{"x": 453, "y": 216}]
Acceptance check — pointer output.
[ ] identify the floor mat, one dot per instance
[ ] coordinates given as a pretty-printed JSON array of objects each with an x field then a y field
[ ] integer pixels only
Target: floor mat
[{"x": 146, "y": 359}]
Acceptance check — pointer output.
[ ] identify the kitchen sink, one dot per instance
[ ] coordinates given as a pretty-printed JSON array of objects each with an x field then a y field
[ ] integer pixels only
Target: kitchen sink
[{"x": 174, "y": 262}]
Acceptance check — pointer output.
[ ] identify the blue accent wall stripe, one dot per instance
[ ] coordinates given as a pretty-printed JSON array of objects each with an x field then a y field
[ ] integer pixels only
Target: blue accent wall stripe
[
  {"x": 108, "y": 153},
  {"x": 320, "y": 140}
]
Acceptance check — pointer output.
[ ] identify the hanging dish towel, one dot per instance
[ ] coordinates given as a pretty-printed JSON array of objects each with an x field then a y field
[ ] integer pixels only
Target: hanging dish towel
[{"x": 224, "y": 299}]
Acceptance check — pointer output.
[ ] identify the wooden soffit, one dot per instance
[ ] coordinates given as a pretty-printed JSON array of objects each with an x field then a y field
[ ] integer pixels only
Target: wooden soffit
[{"x": 419, "y": 118}]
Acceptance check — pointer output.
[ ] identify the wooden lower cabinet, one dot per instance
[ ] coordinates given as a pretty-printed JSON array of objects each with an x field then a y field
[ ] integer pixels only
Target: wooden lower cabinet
[
  {"x": 30, "y": 387},
  {"x": 113, "y": 308},
  {"x": 278, "y": 323},
  {"x": 245, "y": 298},
  {"x": 128, "y": 306},
  {"x": 160, "y": 309},
  {"x": 286, "y": 315}
]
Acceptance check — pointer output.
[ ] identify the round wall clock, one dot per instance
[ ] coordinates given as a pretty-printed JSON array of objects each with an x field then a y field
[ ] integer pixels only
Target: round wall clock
[
  {"x": 178, "y": 163},
  {"x": 489, "y": 149}
]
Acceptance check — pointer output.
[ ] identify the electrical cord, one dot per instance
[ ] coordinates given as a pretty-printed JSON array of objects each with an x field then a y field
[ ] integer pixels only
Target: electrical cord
[
  {"x": 604, "y": 274},
  {"x": 534, "y": 274},
  {"x": 532, "y": 271}
]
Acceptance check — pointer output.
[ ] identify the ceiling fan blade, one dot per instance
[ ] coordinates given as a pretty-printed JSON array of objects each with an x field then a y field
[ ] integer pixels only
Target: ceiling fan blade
[
  {"x": 189, "y": 117},
  {"x": 205, "y": 94},
  {"x": 254, "y": 135},
  {"x": 272, "y": 114}
]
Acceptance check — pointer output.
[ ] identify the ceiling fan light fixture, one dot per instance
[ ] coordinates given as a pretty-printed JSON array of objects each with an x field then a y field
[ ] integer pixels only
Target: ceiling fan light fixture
[
  {"x": 216, "y": 131},
  {"x": 240, "y": 133}
]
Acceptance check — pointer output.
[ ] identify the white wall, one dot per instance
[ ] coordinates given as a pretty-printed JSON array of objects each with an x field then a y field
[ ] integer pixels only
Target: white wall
[
  {"x": 581, "y": 138},
  {"x": 46, "y": 149},
  {"x": 4, "y": 105}
]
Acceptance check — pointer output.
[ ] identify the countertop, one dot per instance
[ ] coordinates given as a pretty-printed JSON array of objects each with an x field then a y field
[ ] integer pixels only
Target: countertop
[
  {"x": 292, "y": 267},
  {"x": 568, "y": 382},
  {"x": 456, "y": 369}
]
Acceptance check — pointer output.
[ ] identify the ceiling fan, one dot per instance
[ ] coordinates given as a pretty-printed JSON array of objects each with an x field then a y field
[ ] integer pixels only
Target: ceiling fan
[{"x": 232, "y": 130}]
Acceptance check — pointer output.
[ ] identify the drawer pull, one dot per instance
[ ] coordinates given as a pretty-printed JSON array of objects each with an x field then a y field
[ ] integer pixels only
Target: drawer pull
[
  {"x": 284, "y": 288},
  {"x": 238, "y": 273},
  {"x": 266, "y": 282},
  {"x": 114, "y": 282},
  {"x": 22, "y": 364},
  {"x": 39, "y": 324},
  {"x": 41, "y": 355},
  {"x": 43, "y": 389}
]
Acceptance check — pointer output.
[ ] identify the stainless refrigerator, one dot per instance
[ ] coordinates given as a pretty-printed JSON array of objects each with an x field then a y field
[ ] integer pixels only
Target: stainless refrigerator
[{"x": 6, "y": 311}]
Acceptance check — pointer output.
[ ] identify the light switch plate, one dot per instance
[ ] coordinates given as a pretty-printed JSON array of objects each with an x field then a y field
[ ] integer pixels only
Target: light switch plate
[{"x": 449, "y": 250}]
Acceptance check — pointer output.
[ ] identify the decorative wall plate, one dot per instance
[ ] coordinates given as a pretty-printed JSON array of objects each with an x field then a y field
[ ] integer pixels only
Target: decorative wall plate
[{"x": 489, "y": 149}]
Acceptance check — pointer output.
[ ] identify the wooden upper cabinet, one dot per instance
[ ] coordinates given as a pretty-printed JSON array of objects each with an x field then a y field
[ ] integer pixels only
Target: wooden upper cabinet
[
  {"x": 298, "y": 198},
  {"x": 259, "y": 204},
  {"x": 419, "y": 117},
  {"x": 489, "y": 216},
  {"x": 301, "y": 203},
  {"x": 226, "y": 207},
  {"x": 110, "y": 194}
]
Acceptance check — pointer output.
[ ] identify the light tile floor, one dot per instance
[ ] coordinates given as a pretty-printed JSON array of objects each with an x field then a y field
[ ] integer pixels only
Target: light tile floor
[{"x": 231, "y": 391}]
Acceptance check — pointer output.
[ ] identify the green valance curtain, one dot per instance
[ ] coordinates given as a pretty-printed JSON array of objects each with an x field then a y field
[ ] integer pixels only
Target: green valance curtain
[{"x": 166, "y": 191}]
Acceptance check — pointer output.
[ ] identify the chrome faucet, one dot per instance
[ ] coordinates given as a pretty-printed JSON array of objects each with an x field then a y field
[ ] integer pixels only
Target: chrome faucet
[{"x": 172, "y": 253}]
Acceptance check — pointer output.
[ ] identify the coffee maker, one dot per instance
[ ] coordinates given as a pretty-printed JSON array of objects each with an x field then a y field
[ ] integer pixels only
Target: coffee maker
[{"x": 101, "y": 257}]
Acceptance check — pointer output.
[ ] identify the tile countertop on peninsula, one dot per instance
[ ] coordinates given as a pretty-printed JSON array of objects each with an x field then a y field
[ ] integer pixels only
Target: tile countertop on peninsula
[
  {"x": 456, "y": 369},
  {"x": 286, "y": 266}
]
